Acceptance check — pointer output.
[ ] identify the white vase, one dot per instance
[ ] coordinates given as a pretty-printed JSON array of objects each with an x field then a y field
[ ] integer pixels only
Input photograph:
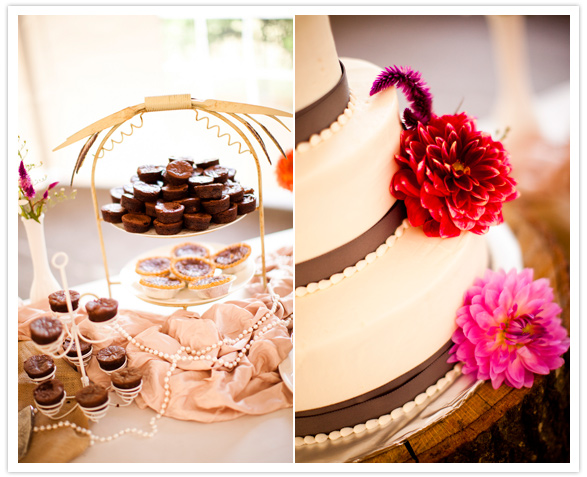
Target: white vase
[{"x": 44, "y": 283}]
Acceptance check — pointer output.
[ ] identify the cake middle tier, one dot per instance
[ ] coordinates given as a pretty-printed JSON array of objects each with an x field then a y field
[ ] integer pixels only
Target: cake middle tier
[
  {"x": 342, "y": 176},
  {"x": 385, "y": 320}
]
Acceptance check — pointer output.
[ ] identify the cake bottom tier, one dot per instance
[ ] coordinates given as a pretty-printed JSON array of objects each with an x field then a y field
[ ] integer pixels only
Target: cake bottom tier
[{"x": 383, "y": 324}]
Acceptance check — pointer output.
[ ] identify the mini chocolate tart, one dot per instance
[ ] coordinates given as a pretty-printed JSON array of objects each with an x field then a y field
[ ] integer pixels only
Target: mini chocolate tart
[
  {"x": 205, "y": 163},
  {"x": 102, "y": 309},
  {"x": 197, "y": 222},
  {"x": 161, "y": 287},
  {"x": 218, "y": 173},
  {"x": 232, "y": 258},
  {"x": 91, "y": 396},
  {"x": 208, "y": 191},
  {"x": 49, "y": 393},
  {"x": 191, "y": 204},
  {"x": 112, "y": 213},
  {"x": 191, "y": 268},
  {"x": 136, "y": 223},
  {"x": 116, "y": 194},
  {"x": 132, "y": 204},
  {"x": 127, "y": 378},
  {"x": 168, "y": 229},
  {"x": 247, "y": 205},
  {"x": 85, "y": 347},
  {"x": 111, "y": 358},
  {"x": 190, "y": 249},
  {"x": 178, "y": 172},
  {"x": 146, "y": 192},
  {"x": 215, "y": 206},
  {"x": 212, "y": 287},
  {"x": 169, "y": 212},
  {"x": 227, "y": 216},
  {"x": 46, "y": 330},
  {"x": 172, "y": 192},
  {"x": 153, "y": 266},
  {"x": 39, "y": 366},
  {"x": 150, "y": 174},
  {"x": 58, "y": 301},
  {"x": 234, "y": 190}
]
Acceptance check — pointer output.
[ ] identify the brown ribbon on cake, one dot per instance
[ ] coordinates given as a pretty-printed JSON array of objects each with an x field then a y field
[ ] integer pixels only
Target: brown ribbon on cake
[
  {"x": 322, "y": 113},
  {"x": 378, "y": 402},
  {"x": 335, "y": 261}
]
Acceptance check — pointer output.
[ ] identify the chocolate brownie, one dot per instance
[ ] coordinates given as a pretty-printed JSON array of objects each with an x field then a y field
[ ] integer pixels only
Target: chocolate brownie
[
  {"x": 196, "y": 181},
  {"x": 85, "y": 347},
  {"x": 150, "y": 174},
  {"x": 146, "y": 192},
  {"x": 58, "y": 301},
  {"x": 150, "y": 207},
  {"x": 169, "y": 212},
  {"x": 111, "y": 357},
  {"x": 128, "y": 188},
  {"x": 208, "y": 191},
  {"x": 92, "y": 396},
  {"x": 234, "y": 190},
  {"x": 132, "y": 204},
  {"x": 127, "y": 378},
  {"x": 247, "y": 204},
  {"x": 45, "y": 330},
  {"x": 172, "y": 228},
  {"x": 226, "y": 216},
  {"x": 39, "y": 366},
  {"x": 178, "y": 172},
  {"x": 116, "y": 194},
  {"x": 136, "y": 223},
  {"x": 102, "y": 309},
  {"x": 216, "y": 206},
  {"x": 134, "y": 179},
  {"x": 205, "y": 163},
  {"x": 113, "y": 213},
  {"x": 218, "y": 173},
  {"x": 191, "y": 204},
  {"x": 49, "y": 393},
  {"x": 188, "y": 159},
  {"x": 172, "y": 192},
  {"x": 197, "y": 222}
]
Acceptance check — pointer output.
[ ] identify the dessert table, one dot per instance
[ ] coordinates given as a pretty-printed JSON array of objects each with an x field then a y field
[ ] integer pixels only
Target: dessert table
[{"x": 247, "y": 439}]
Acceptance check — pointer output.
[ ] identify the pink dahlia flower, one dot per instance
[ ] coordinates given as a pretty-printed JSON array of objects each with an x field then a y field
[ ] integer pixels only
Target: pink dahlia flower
[
  {"x": 509, "y": 329},
  {"x": 452, "y": 177}
]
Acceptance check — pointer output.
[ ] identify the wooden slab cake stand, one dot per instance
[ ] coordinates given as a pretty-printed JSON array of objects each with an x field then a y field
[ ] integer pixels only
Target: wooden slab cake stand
[
  {"x": 507, "y": 424},
  {"x": 231, "y": 116}
]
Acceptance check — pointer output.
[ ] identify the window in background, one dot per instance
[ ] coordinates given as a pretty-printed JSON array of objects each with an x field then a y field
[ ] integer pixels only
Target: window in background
[{"x": 74, "y": 70}]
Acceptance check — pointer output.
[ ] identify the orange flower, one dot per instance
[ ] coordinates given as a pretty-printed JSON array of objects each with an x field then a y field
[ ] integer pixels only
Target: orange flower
[{"x": 285, "y": 171}]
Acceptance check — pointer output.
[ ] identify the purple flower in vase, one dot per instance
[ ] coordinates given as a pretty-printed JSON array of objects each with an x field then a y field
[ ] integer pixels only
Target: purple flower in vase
[
  {"x": 46, "y": 194},
  {"x": 25, "y": 183}
]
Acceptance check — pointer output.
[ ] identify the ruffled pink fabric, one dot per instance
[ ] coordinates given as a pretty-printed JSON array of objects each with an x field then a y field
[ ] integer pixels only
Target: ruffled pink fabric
[{"x": 200, "y": 390}]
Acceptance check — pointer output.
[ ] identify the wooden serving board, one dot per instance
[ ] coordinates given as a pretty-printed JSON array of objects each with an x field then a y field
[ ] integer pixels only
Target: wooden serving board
[{"x": 507, "y": 424}]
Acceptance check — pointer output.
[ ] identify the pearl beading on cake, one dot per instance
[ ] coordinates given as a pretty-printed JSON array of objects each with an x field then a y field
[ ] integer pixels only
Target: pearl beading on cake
[
  {"x": 421, "y": 401},
  {"x": 328, "y": 132},
  {"x": 348, "y": 272}
]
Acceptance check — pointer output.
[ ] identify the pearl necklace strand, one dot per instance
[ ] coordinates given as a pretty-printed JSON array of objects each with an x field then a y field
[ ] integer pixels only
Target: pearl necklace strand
[{"x": 191, "y": 355}]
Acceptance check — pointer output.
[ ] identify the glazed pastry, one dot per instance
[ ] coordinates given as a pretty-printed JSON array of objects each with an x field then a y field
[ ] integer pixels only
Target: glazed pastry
[
  {"x": 112, "y": 213},
  {"x": 46, "y": 330},
  {"x": 146, "y": 192},
  {"x": 49, "y": 393},
  {"x": 102, "y": 309},
  {"x": 127, "y": 378},
  {"x": 136, "y": 223},
  {"x": 212, "y": 287},
  {"x": 161, "y": 287},
  {"x": 232, "y": 258},
  {"x": 58, "y": 301},
  {"x": 190, "y": 249},
  {"x": 191, "y": 268},
  {"x": 92, "y": 396},
  {"x": 153, "y": 266},
  {"x": 197, "y": 222},
  {"x": 215, "y": 206},
  {"x": 39, "y": 366},
  {"x": 111, "y": 358},
  {"x": 227, "y": 216}
]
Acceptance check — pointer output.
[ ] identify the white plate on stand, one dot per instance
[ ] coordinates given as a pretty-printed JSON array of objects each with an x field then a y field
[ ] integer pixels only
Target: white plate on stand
[{"x": 130, "y": 279}]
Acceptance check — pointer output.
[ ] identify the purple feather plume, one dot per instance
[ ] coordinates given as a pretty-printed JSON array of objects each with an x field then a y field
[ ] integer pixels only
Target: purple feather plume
[{"x": 414, "y": 88}]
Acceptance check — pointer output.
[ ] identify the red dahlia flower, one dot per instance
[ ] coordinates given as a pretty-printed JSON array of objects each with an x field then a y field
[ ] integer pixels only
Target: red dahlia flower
[
  {"x": 285, "y": 171},
  {"x": 452, "y": 177}
]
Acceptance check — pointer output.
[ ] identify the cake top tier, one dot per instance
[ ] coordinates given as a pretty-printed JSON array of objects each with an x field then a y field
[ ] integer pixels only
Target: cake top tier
[{"x": 317, "y": 66}]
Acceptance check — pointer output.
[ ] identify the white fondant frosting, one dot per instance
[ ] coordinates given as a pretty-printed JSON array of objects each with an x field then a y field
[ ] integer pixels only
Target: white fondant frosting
[{"x": 342, "y": 182}]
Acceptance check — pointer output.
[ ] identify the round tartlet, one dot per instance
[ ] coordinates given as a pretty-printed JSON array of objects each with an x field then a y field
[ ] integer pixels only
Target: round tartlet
[
  {"x": 192, "y": 268},
  {"x": 161, "y": 287},
  {"x": 212, "y": 287},
  {"x": 232, "y": 258},
  {"x": 190, "y": 249},
  {"x": 153, "y": 266}
]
